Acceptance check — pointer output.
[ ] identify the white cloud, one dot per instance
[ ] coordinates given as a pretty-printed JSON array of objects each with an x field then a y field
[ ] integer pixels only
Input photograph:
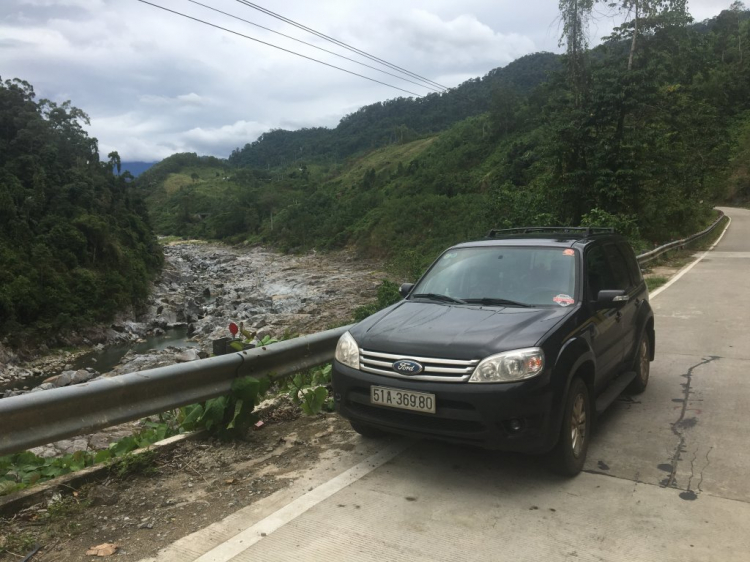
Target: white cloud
[
  {"x": 154, "y": 83},
  {"x": 459, "y": 42}
]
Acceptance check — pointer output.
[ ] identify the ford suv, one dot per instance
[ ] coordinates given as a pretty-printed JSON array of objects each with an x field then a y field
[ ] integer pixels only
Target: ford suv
[{"x": 514, "y": 342}]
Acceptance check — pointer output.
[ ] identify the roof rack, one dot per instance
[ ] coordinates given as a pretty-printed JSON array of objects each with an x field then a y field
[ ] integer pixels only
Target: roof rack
[{"x": 585, "y": 230}]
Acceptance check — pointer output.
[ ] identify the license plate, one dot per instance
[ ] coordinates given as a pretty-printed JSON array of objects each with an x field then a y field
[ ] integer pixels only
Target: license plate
[{"x": 403, "y": 399}]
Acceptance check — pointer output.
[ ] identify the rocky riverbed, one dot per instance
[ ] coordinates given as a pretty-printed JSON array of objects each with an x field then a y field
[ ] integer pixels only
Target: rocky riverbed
[{"x": 202, "y": 289}]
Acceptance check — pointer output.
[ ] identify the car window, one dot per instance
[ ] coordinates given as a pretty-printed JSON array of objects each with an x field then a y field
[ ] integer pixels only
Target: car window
[
  {"x": 619, "y": 267},
  {"x": 599, "y": 276},
  {"x": 527, "y": 275},
  {"x": 635, "y": 270}
]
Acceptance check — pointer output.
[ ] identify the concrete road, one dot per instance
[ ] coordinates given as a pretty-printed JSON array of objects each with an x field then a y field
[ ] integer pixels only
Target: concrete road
[{"x": 667, "y": 477}]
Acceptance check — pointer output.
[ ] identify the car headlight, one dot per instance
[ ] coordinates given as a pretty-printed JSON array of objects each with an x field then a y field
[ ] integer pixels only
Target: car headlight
[
  {"x": 510, "y": 366},
  {"x": 347, "y": 351}
]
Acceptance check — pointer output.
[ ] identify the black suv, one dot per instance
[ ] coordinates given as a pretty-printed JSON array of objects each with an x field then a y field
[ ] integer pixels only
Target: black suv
[{"x": 513, "y": 342}]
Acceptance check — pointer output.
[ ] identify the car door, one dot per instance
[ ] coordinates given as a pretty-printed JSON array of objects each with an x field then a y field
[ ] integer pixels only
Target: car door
[
  {"x": 638, "y": 295},
  {"x": 604, "y": 325},
  {"x": 626, "y": 316}
]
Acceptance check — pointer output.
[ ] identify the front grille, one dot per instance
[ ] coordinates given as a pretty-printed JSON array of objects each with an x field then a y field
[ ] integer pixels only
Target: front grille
[{"x": 436, "y": 370}]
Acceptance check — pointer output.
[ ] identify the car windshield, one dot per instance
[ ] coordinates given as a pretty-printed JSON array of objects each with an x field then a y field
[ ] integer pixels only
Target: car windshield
[{"x": 503, "y": 276}]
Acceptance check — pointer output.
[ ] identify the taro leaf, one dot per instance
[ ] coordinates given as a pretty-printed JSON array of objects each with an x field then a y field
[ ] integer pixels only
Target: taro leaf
[
  {"x": 243, "y": 416},
  {"x": 314, "y": 400},
  {"x": 31, "y": 477},
  {"x": 78, "y": 461},
  {"x": 245, "y": 389},
  {"x": 161, "y": 432},
  {"x": 214, "y": 412},
  {"x": 294, "y": 395},
  {"x": 237, "y": 409},
  {"x": 320, "y": 396},
  {"x": 123, "y": 446},
  {"x": 27, "y": 458},
  {"x": 5, "y": 463},
  {"x": 103, "y": 455},
  {"x": 264, "y": 384},
  {"x": 246, "y": 417},
  {"x": 192, "y": 414},
  {"x": 53, "y": 471},
  {"x": 6, "y": 487}
]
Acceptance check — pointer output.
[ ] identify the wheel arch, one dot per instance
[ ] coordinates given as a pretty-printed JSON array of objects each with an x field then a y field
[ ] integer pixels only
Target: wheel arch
[{"x": 576, "y": 358}]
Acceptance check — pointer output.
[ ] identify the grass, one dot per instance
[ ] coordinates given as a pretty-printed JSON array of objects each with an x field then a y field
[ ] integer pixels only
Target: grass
[
  {"x": 16, "y": 544},
  {"x": 65, "y": 508},
  {"x": 386, "y": 158},
  {"x": 130, "y": 464},
  {"x": 56, "y": 522},
  {"x": 656, "y": 281}
]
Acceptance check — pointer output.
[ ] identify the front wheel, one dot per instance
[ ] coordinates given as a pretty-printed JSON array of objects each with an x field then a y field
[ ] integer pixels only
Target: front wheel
[
  {"x": 642, "y": 367},
  {"x": 569, "y": 454}
]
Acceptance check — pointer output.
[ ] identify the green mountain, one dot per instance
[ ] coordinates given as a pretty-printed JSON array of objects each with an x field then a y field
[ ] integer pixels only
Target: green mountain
[
  {"x": 394, "y": 120},
  {"x": 75, "y": 241},
  {"x": 646, "y": 145}
]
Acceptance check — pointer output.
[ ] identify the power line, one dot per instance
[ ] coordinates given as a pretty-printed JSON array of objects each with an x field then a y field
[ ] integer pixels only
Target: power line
[
  {"x": 340, "y": 43},
  {"x": 277, "y": 47},
  {"x": 313, "y": 46}
]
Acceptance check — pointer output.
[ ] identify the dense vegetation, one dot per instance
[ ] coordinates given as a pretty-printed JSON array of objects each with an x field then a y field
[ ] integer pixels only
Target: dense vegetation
[
  {"x": 645, "y": 132},
  {"x": 396, "y": 120},
  {"x": 75, "y": 241}
]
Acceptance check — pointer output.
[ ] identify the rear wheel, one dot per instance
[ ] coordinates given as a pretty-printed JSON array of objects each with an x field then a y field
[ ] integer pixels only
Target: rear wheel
[
  {"x": 569, "y": 454},
  {"x": 642, "y": 367},
  {"x": 367, "y": 431}
]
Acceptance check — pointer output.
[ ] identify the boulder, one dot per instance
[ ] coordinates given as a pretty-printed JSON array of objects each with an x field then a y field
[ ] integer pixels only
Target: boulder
[{"x": 187, "y": 356}]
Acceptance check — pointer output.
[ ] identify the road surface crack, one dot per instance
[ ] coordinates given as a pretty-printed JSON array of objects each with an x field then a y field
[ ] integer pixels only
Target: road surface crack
[
  {"x": 708, "y": 462},
  {"x": 679, "y": 427}
]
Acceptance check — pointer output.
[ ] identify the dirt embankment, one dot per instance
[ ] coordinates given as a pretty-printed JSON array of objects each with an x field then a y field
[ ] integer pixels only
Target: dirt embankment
[{"x": 168, "y": 495}]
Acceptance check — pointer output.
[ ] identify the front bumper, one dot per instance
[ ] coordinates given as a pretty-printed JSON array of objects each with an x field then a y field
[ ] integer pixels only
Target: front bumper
[{"x": 485, "y": 415}]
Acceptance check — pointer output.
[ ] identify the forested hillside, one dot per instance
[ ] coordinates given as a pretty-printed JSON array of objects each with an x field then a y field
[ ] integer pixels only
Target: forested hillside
[
  {"x": 396, "y": 120},
  {"x": 75, "y": 240},
  {"x": 643, "y": 132}
]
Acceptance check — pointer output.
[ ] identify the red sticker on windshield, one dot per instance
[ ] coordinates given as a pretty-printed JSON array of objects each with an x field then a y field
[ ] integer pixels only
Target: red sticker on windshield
[
  {"x": 569, "y": 252},
  {"x": 564, "y": 300}
]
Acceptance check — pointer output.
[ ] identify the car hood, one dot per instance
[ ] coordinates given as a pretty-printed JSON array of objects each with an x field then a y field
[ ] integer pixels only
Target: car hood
[{"x": 454, "y": 331}]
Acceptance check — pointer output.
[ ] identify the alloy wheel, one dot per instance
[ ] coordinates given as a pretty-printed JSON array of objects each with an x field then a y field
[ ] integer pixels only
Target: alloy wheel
[
  {"x": 578, "y": 425},
  {"x": 644, "y": 362}
]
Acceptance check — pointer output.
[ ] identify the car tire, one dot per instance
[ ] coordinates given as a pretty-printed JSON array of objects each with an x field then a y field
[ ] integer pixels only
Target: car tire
[
  {"x": 642, "y": 366},
  {"x": 569, "y": 454},
  {"x": 367, "y": 431}
]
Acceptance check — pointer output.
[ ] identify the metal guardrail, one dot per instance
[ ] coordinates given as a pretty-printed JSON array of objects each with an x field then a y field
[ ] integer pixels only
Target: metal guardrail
[
  {"x": 39, "y": 418},
  {"x": 656, "y": 252}
]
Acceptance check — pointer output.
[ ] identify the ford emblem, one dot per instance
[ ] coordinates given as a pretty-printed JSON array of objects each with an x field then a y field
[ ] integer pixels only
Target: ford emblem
[{"x": 407, "y": 367}]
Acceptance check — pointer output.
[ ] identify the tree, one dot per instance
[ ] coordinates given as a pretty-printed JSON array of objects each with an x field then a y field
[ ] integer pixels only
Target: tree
[
  {"x": 575, "y": 15},
  {"x": 114, "y": 161}
]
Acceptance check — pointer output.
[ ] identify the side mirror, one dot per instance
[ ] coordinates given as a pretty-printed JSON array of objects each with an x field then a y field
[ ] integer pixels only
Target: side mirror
[
  {"x": 405, "y": 289},
  {"x": 611, "y": 299}
]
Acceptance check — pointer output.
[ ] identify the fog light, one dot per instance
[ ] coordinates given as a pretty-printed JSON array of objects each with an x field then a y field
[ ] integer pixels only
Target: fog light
[{"x": 515, "y": 425}]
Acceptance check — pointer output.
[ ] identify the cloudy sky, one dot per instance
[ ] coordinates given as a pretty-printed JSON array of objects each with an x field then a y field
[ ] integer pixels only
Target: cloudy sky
[{"x": 155, "y": 83}]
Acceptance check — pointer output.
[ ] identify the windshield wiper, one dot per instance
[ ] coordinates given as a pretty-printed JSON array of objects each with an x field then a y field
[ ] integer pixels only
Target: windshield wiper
[
  {"x": 437, "y": 297},
  {"x": 497, "y": 302}
]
